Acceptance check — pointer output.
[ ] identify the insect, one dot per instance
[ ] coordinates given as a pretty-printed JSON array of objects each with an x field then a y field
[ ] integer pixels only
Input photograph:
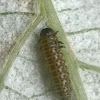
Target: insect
[{"x": 51, "y": 49}]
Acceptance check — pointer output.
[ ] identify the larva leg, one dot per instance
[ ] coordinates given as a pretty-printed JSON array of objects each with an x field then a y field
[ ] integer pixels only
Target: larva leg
[
  {"x": 62, "y": 47},
  {"x": 60, "y": 42},
  {"x": 56, "y": 32}
]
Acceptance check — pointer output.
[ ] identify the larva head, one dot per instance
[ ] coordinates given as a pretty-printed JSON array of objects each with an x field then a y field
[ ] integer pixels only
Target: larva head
[{"x": 47, "y": 32}]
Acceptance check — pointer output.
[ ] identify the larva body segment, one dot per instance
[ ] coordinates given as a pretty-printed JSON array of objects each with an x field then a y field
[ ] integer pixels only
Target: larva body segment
[{"x": 51, "y": 50}]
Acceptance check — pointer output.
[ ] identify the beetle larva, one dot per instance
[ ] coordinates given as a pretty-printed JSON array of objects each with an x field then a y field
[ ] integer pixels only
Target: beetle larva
[{"x": 51, "y": 49}]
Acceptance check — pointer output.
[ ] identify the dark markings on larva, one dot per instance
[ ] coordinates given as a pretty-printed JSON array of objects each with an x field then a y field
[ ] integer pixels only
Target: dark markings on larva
[{"x": 51, "y": 49}]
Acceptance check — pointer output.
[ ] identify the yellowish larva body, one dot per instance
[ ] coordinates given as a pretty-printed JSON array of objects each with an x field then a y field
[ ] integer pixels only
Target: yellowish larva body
[{"x": 51, "y": 50}]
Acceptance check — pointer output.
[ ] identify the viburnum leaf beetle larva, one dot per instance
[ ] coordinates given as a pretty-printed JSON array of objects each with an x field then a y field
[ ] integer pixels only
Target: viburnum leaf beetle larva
[{"x": 51, "y": 49}]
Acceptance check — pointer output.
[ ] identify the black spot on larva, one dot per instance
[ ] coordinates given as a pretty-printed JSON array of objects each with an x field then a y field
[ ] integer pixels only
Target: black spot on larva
[
  {"x": 52, "y": 55},
  {"x": 46, "y": 31}
]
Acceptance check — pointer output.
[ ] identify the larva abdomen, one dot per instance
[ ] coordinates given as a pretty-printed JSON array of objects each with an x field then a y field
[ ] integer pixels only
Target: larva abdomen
[{"x": 50, "y": 47}]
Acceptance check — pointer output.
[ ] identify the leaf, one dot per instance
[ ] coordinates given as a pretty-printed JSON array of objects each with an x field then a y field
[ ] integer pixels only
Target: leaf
[{"x": 23, "y": 73}]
